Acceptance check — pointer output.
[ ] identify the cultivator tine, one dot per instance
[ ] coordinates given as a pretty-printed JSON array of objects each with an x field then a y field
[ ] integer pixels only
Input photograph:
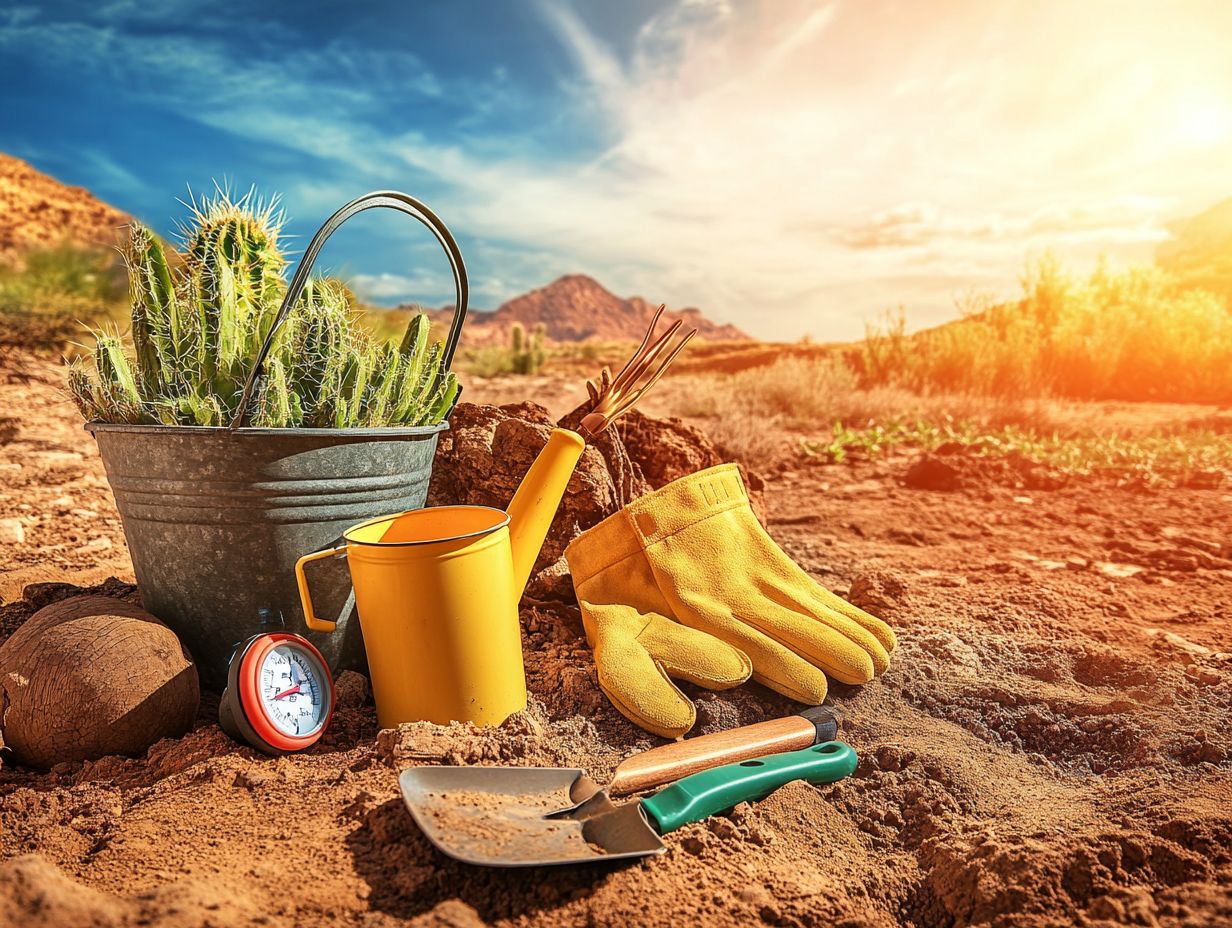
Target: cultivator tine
[{"x": 613, "y": 396}]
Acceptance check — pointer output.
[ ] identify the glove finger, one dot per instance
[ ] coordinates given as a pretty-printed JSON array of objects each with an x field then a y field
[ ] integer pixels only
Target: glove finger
[
  {"x": 809, "y": 641},
  {"x": 828, "y": 641},
  {"x": 788, "y": 576},
  {"x": 774, "y": 664},
  {"x": 878, "y": 628},
  {"x": 636, "y": 684},
  {"x": 692, "y": 655}
]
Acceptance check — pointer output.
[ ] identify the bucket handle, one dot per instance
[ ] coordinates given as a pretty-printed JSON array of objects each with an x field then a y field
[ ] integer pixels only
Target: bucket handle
[
  {"x": 390, "y": 199},
  {"x": 305, "y": 598}
]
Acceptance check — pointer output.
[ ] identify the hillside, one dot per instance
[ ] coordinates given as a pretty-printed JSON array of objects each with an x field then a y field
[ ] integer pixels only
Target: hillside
[
  {"x": 576, "y": 308},
  {"x": 37, "y": 211},
  {"x": 1200, "y": 250}
]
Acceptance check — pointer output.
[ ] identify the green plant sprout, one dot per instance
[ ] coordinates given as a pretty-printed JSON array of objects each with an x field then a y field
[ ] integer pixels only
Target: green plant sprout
[
  {"x": 199, "y": 323},
  {"x": 1147, "y": 460}
]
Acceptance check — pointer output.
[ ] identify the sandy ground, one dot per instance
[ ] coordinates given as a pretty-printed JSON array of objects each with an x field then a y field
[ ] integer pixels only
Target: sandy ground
[{"x": 1049, "y": 747}]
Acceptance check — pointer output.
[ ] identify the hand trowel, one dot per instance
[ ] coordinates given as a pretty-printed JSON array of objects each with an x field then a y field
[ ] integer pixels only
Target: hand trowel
[{"x": 535, "y": 816}]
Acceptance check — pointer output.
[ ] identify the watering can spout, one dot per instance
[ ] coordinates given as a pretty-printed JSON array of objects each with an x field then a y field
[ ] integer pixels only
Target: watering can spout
[{"x": 537, "y": 498}]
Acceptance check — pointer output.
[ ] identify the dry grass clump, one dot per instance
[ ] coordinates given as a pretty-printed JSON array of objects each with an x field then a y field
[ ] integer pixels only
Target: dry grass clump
[
  {"x": 42, "y": 301},
  {"x": 748, "y": 412},
  {"x": 1137, "y": 334},
  {"x": 759, "y": 413}
]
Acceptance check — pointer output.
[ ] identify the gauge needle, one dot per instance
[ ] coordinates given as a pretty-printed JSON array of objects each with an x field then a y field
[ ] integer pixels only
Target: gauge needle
[{"x": 293, "y": 690}]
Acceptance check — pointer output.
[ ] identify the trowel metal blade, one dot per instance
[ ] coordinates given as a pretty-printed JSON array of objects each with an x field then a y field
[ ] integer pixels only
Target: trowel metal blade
[{"x": 523, "y": 816}]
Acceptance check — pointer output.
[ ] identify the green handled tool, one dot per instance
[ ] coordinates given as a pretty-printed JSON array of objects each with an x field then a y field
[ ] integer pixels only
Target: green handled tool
[{"x": 535, "y": 816}]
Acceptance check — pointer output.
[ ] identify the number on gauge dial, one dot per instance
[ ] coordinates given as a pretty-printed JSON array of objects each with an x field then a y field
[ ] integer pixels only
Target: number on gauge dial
[{"x": 291, "y": 691}]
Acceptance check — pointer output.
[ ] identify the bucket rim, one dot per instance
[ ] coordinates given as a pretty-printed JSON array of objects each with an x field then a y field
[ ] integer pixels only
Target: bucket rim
[
  {"x": 504, "y": 522},
  {"x": 263, "y": 432}
]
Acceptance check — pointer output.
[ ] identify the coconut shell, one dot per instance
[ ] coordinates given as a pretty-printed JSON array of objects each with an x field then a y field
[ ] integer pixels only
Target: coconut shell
[{"x": 91, "y": 676}]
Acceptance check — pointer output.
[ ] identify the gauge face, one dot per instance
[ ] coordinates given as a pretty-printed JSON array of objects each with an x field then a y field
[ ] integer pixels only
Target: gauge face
[{"x": 290, "y": 686}]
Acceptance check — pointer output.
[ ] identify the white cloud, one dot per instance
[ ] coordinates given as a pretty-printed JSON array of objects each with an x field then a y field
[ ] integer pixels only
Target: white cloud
[
  {"x": 785, "y": 165},
  {"x": 382, "y": 288}
]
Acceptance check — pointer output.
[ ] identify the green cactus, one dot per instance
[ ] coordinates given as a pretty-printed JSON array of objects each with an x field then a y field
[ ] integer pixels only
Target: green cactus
[
  {"x": 198, "y": 327},
  {"x": 156, "y": 311},
  {"x": 527, "y": 354}
]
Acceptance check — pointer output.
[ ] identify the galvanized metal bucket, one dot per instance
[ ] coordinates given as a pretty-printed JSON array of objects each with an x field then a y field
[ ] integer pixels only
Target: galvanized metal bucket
[{"x": 216, "y": 518}]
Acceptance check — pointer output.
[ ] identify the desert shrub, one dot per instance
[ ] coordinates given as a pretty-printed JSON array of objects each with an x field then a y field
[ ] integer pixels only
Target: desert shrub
[
  {"x": 1132, "y": 335},
  {"x": 791, "y": 390},
  {"x": 197, "y": 329}
]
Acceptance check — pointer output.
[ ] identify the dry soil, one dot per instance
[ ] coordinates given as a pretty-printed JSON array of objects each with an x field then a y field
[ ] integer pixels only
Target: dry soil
[{"x": 1049, "y": 747}]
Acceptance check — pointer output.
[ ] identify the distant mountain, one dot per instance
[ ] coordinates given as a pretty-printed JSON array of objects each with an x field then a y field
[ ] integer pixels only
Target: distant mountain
[
  {"x": 576, "y": 308},
  {"x": 1200, "y": 250},
  {"x": 37, "y": 211}
]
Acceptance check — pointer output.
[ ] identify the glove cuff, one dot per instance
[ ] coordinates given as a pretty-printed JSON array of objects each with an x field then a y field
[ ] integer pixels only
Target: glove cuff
[
  {"x": 653, "y": 517},
  {"x": 685, "y": 502},
  {"x": 601, "y": 547}
]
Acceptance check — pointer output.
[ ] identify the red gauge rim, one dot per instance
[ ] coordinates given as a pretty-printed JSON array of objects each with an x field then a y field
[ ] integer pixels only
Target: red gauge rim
[{"x": 250, "y": 693}]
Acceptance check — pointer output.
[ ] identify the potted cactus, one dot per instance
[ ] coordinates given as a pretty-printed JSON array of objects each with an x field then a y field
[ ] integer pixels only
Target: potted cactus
[{"x": 253, "y": 420}]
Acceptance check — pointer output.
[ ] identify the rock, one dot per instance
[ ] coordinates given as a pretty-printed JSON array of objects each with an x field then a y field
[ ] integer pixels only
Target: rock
[
  {"x": 1178, "y": 641},
  {"x": 930, "y": 473},
  {"x": 91, "y": 676},
  {"x": 878, "y": 592},
  {"x": 352, "y": 690},
  {"x": 452, "y": 913},
  {"x": 38, "y": 595},
  {"x": 12, "y": 532},
  {"x": 912, "y": 537},
  {"x": 1178, "y": 561},
  {"x": 1073, "y": 562},
  {"x": 947, "y": 448},
  {"x": 1180, "y": 537},
  {"x": 1205, "y": 480},
  {"x": 253, "y": 778}
]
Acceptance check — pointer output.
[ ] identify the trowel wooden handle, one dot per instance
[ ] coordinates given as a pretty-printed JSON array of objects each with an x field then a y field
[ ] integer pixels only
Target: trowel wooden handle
[{"x": 681, "y": 758}]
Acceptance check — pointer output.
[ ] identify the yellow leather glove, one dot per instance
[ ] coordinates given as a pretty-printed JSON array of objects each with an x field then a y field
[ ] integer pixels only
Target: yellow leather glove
[
  {"x": 638, "y": 649},
  {"x": 717, "y": 571}
]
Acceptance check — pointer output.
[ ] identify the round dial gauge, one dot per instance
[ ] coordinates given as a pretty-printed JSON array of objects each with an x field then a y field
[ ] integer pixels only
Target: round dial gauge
[
  {"x": 291, "y": 690},
  {"x": 279, "y": 696}
]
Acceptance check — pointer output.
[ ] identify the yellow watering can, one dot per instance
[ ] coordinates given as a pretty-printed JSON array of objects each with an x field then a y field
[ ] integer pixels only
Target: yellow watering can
[{"x": 437, "y": 589}]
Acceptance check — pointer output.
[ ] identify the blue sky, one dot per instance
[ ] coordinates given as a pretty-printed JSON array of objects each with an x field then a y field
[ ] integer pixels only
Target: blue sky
[{"x": 793, "y": 167}]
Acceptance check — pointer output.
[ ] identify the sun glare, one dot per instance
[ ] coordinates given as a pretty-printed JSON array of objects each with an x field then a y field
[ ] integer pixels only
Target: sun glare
[{"x": 1203, "y": 121}]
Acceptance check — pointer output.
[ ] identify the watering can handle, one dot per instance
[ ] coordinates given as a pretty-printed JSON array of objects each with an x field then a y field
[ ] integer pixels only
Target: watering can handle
[
  {"x": 305, "y": 598},
  {"x": 391, "y": 199}
]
